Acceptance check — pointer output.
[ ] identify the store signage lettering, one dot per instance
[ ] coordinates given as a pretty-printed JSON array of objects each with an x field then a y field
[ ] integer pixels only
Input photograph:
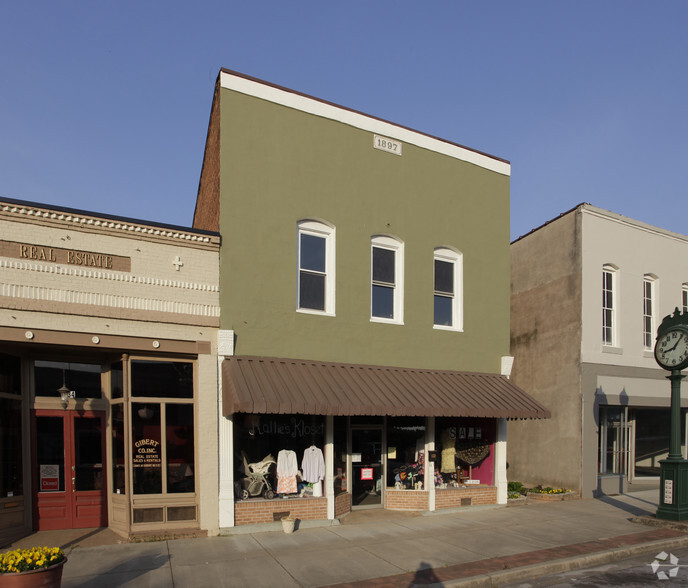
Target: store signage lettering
[
  {"x": 75, "y": 257},
  {"x": 147, "y": 453},
  {"x": 366, "y": 473},
  {"x": 295, "y": 428}
]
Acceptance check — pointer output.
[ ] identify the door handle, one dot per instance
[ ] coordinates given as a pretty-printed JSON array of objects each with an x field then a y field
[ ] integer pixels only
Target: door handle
[{"x": 73, "y": 484}]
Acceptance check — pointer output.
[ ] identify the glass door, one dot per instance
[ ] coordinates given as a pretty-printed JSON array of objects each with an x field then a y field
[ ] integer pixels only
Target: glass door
[
  {"x": 68, "y": 470},
  {"x": 366, "y": 467}
]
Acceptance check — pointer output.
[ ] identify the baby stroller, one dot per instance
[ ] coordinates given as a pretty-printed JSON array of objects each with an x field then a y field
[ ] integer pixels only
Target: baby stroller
[{"x": 256, "y": 483}]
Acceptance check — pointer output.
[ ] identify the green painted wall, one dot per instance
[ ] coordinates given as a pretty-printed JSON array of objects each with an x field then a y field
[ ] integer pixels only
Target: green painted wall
[{"x": 279, "y": 166}]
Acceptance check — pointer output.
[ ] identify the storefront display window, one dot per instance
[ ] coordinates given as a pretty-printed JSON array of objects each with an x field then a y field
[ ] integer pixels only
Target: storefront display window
[
  {"x": 279, "y": 454},
  {"x": 340, "y": 455},
  {"x": 464, "y": 451},
  {"x": 180, "y": 447},
  {"x": 405, "y": 452},
  {"x": 161, "y": 379},
  {"x": 82, "y": 378},
  {"x": 11, "y": 473},
  {"x": 147, "y": 448},
  {"x": 162, "y": 429}
]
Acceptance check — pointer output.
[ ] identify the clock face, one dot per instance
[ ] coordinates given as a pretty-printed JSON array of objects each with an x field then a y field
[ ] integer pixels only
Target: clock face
[{"x": 671, "y": 350}]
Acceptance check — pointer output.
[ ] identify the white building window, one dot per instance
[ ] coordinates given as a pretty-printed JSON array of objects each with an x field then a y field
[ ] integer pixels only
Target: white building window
[
  {"x": 316, "y": 279},
  {"x": 387, "y": 279},
  {"x": 609, "y": 278},
  {"x": 649, "y": 305},
  {"x": 684, "y": 297},
  {"x": 448, "y": 289}
]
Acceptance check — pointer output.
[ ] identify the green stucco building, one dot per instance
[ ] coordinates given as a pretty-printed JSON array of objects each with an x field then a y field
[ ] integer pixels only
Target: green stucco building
[{"x": 364, "y": 294}]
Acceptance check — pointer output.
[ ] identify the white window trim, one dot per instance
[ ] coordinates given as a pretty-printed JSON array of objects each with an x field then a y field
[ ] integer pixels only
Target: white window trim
[
  {"x": 684, "y": 297},
  {"x": 397, "y": 246},
  {"x": 455, "y": 257},
  {"x": 614, "y": 271},
  {"x": 318, "y": 229},
  {"x": 652, "y": 280}
]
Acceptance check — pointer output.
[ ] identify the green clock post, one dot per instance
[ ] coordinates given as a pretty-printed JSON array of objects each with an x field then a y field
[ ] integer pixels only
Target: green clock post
[{"x": 671, "y": 353}]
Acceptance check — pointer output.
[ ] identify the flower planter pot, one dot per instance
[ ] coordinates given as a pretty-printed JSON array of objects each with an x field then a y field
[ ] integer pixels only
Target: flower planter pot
[
  {"x": 288, "y": 525},
  {"x": 552, "y": 497},
  {"x": 46, "y": 578}
]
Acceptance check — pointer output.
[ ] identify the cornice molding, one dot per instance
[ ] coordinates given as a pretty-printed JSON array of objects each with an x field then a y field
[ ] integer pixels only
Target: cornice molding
[
  {"x": 120, "y": 227},
  {"x": 64, "y": 270}
]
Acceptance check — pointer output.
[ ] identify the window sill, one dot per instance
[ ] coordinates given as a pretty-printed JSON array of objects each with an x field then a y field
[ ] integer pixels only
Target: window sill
[
  {"x": 374, "y": 319},
  {"x": 612, "y": 349},
  {"x": 648, "y": 353},
  {"x": 316, "y": 312},
  {"x": 445, "y": 328}
]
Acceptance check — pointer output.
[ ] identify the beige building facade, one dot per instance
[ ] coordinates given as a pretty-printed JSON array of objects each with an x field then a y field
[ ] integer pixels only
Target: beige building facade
[
  {"x": 588, "y": 291},
  {"x": 108, "y": 373}
]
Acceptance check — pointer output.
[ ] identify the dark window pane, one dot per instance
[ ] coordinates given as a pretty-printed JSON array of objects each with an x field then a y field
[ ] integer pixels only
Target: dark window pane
[
  {"x": 312, "y": 253},
  {"x": 179, "y": 423},
  {"x": 383, "y": 302},
  {"x": 312, "y": 291},
  {"x": 118, "y": 469},
  {"x": 444, "y": 276},
  {"x": 146, "y": 448},
  {"x": 83, "y": 378},
  {"x": 181, "y": 513},
  {"x": 10, "y": 370},
  {"x": 443, "y": 311},
  {"x": 160, "y": 379},
  {"x": 88, "y": 465},
  {"x": 148, "y": 515},
  {"x": 383, "y": 265},
  {"x": 50, "y": 454},
  {"x": 116, "y": 380},
  {"x": 11, "y": 482}
]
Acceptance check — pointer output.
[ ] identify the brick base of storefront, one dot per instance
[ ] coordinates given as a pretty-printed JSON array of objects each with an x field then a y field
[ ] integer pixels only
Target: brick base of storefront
[
  {"x": 342, "y": 504},
  {"x": 252, "y": 512},
  {"x": 444, "y": 498},
  {"x": 406, "y": 499},
  {"x": 457, "y": 497}
]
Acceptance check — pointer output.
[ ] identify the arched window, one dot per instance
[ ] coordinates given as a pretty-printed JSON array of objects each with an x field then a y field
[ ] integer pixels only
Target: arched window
[
  {"x": 315, "y": 280},
  {"x": 448, "y": 289},
  {"x": 387, "y": 279}
]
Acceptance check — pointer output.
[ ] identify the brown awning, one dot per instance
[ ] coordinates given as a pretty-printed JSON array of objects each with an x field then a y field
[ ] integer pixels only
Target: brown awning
[{"x": 267, "y": 385}]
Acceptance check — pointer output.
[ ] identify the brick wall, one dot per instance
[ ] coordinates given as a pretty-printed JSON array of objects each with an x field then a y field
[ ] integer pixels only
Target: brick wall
[
  {"x": 406, "y": 499},
  {"x": 252, "y": 512},
  {"x": 342, "y": 504},
  {"x": 456, "y": 497}
]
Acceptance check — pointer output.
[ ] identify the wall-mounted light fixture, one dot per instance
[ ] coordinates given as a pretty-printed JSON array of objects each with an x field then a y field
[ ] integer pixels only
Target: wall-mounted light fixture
[{"x": 65, "y": 393}]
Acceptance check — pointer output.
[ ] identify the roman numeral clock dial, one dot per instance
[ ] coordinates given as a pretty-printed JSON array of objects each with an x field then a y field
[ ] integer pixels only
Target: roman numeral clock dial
[{"x": 671, "y": 350}]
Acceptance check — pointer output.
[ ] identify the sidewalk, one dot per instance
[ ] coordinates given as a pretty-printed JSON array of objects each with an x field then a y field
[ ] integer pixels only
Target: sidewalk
[{"x": 474, "y": 546}]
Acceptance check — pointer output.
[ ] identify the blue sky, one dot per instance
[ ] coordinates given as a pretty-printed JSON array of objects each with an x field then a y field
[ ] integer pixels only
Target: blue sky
[{"x": 104, "y": 106}]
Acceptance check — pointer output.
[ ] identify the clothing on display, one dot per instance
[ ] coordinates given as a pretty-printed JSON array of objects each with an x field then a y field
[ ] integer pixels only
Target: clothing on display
[
  {"x": 287, "y": 468},
  {"x": 313, "y": 465},
  {"x": 448, "y": 451}
]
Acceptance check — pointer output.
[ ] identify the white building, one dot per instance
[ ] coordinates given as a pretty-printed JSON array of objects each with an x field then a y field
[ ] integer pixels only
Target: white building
[{"x": 589, "y": 290}]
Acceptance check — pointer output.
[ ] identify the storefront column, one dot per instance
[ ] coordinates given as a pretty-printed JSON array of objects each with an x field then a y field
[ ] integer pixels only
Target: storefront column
[
  {"x": 429, "y": 480},
  {"x": 500, "y": 462},
  {"x": 329, "y": 465},
  {"x": 226, "y": 499}
]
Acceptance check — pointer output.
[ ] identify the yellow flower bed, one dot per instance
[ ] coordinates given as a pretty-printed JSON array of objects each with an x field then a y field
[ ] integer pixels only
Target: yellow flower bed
[{"x": 24, "y": 560}]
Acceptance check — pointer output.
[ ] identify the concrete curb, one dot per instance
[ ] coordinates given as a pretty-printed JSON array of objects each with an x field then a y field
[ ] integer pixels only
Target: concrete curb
[{"x": 561, "y": 565}]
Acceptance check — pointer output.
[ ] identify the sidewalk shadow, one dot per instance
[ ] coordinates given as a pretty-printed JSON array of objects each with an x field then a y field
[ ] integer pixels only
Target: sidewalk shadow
[
  {"x": 425, "y": 575},
  {"x": 635, "y": 510},
  {"x": 127, "y": 571}
]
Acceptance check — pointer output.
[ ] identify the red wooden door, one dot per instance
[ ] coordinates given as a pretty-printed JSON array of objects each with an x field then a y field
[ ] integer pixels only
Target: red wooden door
[{"x": 69, "y": 472}]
